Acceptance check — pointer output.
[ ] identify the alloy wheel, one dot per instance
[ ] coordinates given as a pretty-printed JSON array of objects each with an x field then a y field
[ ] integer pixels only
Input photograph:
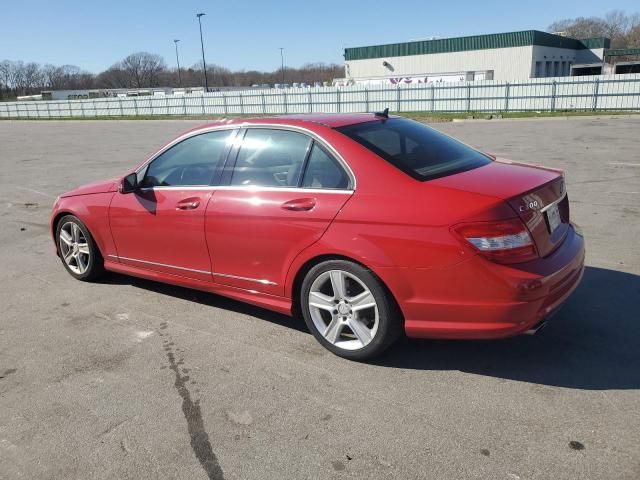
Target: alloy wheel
[
  {"x": 74, "y": 248},
  {"x": 343, "y": 309}
]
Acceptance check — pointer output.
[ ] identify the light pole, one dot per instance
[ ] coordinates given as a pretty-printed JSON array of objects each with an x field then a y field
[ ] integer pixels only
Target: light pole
[
  {"x": 204, "y": 63},
  {"x": 178, "y": 62},
  {"x": 282, "y": 63}
]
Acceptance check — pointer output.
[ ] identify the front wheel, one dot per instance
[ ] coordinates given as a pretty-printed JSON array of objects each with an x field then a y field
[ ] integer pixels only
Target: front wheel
[
  {"x": 348, "y": 310},
  {"x": 77, "y": 249}
]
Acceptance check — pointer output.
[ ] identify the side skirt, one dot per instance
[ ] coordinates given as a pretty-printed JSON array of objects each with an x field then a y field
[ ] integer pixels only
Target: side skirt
[{"x": 270, "y": 302}]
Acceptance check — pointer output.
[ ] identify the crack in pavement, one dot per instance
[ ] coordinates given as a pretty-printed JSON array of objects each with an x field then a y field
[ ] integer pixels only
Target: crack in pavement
[{"x": 200, "y": 443}]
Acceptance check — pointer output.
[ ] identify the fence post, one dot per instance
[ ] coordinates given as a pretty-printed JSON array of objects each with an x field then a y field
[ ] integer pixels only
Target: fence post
[
  {"x": 224, "y": 104},
  {"x": 82, "y": 108},
  {"x": 48, "y": 110},
  {"x": 468, "y": 96},
  {"x": 433, "y": 98},
  {"x": 264, "y": 105},
  {"x": 284, "y": 101},
  {"x": 506, "y": 96},
  {"x": 241, "y": 104},
  {"x": 184, "y": 105},
  {"x": 310, "y": 102},
  {"x": 202, "y": 103},
  {"x": 338, "y": 99},
  {"x": 135, "y": 105},
  {"x": 121, "y": 107},
  {"x": 68, "y": 105},
  {"x": 366, "y": 99},
  {"x": 596, "y": 89},
  {"x": 398, "y": 98},
  {"x": 553, "y": 96}
]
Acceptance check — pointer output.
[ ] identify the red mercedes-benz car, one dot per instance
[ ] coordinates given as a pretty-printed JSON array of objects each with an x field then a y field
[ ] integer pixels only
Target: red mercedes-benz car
[{"x": 367, "y": 226}]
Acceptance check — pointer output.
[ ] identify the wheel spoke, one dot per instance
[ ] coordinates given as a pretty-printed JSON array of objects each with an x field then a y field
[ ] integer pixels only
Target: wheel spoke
[
  {"x": 333, "y": 330},
  {"x": 82, "y": 266},
  {"x": 68, "y": 256},
  {"x": 338, "y": 283},
  {"x": 362, "y": 301},
  {"x": 83, "y": 248},
  {"x": 75, "y": 232},
  {"x": 320, "y": 300},
  {"x": 65, "y": 237},
  {"x": 361, "y": 332}
]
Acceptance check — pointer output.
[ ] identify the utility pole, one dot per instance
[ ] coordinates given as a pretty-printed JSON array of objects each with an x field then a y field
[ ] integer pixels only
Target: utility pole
[
  {"x": 282, "y": 63},
  {"x": 204, "y": 63},
  {"x": 178, "y": 62}
]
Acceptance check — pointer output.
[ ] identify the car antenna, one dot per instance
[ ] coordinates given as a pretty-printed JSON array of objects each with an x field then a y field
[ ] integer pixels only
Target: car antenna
[{"x": 383, "y": 114}]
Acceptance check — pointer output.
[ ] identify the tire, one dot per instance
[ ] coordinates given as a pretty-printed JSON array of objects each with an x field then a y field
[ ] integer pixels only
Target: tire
[
  {"x": 348, "y": 310},
  {"x": 77, "y": 249}
]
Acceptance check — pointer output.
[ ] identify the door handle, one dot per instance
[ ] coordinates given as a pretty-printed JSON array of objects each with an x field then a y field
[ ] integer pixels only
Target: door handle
[
  {"x": 300, "y": 204},
  {"x": 188, "y": 204}
]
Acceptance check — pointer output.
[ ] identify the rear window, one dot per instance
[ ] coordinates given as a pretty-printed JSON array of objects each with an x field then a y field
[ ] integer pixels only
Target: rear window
[{"x": 414, "y": 148}]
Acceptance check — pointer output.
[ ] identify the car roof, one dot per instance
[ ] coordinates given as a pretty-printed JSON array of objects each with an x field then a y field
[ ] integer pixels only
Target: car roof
[{"x": 331, "y": 120}]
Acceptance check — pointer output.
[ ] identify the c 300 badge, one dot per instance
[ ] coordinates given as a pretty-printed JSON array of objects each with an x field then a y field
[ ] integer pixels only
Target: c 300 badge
[{"x": 534, "y": 205}]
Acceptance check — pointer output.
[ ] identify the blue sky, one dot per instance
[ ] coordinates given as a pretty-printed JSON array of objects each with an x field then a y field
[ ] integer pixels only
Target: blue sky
[{"x": 247, "y": 34}]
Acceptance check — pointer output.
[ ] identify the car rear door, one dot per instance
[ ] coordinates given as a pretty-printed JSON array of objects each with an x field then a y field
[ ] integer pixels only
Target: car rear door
[{"x": 280, "y": 192}]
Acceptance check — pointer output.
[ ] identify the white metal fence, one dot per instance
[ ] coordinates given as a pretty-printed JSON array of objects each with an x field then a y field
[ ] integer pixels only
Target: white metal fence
[{"x": 597, "y": 93}]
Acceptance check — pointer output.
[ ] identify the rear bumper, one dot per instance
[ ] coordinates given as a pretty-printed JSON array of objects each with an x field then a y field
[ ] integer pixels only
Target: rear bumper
[{"x": 478, "y": 299}]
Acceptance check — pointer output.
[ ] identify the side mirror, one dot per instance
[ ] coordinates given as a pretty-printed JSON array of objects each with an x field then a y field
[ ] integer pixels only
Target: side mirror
[{"x": 129, "y": 183}]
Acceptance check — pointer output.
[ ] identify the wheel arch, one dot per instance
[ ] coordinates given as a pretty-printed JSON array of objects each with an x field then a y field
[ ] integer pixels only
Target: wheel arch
[
  {"x": 54, "y": 228},
  {"x": 298, "y": 279}
]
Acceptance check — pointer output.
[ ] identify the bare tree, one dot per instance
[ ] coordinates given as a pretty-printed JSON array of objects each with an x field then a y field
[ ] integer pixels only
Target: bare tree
[
  {"x": 616, "y": 25},
  {"x": 580, "y": 27},
  {"x": 146, "y": 70},
  {"x": 142, "y": 69},
  {"x": 65, "y": 77},
  {"x": 5, "y": 78},
  {"x": 114, "y": 77},
  {"x": 633, "y": 35}
]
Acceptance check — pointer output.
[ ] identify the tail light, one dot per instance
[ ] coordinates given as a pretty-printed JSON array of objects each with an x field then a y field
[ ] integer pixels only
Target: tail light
[{"x": 504, "y": 241}]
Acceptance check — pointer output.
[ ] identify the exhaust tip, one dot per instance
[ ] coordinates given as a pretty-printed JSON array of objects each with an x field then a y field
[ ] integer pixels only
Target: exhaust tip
[{"x": 536, "y": 328}]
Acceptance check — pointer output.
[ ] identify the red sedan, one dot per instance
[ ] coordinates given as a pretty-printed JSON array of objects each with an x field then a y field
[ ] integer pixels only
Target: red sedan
[{"x": 367, "y": 226}]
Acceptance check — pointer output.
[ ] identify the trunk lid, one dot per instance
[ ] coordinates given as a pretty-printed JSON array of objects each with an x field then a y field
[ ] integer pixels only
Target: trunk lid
[{"x": 532, "y": 192}]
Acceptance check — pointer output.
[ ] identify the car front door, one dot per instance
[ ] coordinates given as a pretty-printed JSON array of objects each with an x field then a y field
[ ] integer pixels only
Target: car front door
[
  {"x": 160, "y": 226},
  {"x": 279, "y": 195}
]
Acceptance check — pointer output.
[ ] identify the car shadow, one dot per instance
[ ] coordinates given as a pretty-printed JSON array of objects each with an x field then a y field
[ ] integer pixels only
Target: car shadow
[
  {"x": 205, "y": 298},
  {"x": 592, "y": 343}
]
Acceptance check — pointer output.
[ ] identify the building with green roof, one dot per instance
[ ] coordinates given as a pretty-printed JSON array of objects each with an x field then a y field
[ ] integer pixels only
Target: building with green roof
[{"x": 507, "y": 56}]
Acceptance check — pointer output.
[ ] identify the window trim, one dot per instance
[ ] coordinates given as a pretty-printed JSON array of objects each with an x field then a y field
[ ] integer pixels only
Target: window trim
[
  {"x": 219, "y": 177},
  {"x": 232, "y": 157},
  {"x": 306, "y": 165},
  {"x": 142, "y": 169}
]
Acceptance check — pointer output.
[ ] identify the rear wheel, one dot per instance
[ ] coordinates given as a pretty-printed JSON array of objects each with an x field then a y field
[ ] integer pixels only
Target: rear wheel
[
  {"x": 78, "y": 251},
  {"x": 348, "y": 310}
]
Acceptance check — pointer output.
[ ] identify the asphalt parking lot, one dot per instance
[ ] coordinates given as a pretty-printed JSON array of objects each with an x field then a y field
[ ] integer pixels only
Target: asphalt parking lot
[{"x": 131, "y": 379}]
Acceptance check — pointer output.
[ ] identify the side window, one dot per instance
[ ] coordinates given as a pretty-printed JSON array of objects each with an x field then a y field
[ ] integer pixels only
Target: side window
[
  {"x": 323, "y": 171},
  {"x": 190, "y": 162},
  {"x": 270, "y": 158}
]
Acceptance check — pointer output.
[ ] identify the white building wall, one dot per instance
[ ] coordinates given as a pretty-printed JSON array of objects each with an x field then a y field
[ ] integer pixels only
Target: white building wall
[
  {"x": 563, "y": 57},
  {"x": 594, "y": 55},
  {"x": 506, "y": 63}
]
